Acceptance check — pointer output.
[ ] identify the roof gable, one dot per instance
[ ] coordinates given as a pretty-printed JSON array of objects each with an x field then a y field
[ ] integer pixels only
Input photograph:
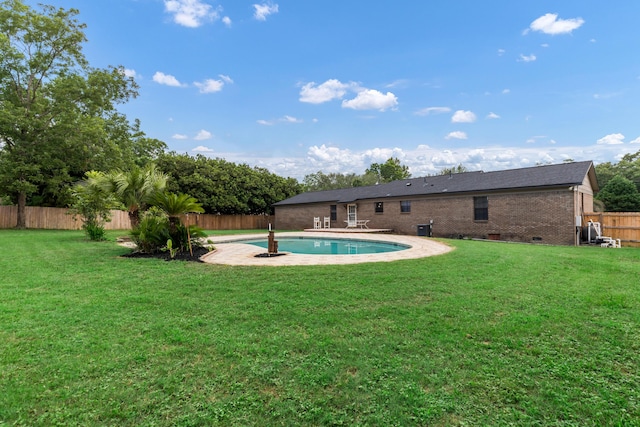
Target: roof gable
[{"x": 564, "y": 174}]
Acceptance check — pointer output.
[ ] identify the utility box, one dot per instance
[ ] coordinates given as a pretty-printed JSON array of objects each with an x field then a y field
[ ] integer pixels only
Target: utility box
[{"x": 424, "y": 230}]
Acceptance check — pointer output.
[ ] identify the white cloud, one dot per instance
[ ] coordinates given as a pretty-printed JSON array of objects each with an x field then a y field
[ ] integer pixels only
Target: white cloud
[
  {"x": 371, "y": 99},
  {"x": 608, "y": 95},
  {"x": 333, "y": 159},
  {"x": 527, "y": 58},
  {"x": 423, "y": 159},
  {"x": 284, "y": 119},
  {"x": 212, "y": 85},
  {"x": 191, "y": 13},
  {"x": 261, "y": 11},
  {"x": 203, "y": 135},
  {"x": 432, "y": 110},
  {"x": 327, "y": 91},
  {"x": 209, "y": 86},
  {"x": 550, "y": 24},
  {"x": 635, "y": 141},
  {"x": 366, "y": 99},
  {"x": 493, "y": 116},
  {"x": 226, "y": 21},
  {"x": 290, "y": 119},
  {"x": 179, "y": 136},
  {"x": 462, "y": 116},
  {"x": 506, "y": 91},
  {"x": 501, "y": 52},
  {"x": 456, "y": 135},
  {"x": 612, "y": 139},
  {"x": 202, "y": 149},
  {"x": 130, "y": 73},
  {"x": 166, "y": 79},
  {"x": 398, "y": 83}
]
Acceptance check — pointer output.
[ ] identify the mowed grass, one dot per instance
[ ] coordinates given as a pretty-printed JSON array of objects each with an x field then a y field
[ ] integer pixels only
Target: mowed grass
[{"x": 488, "y": 334}]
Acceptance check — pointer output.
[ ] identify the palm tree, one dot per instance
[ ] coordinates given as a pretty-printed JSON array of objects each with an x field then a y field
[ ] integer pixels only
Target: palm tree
[
  {"x": 136, "y": 188},
  {"x": 175, "y": 205}
]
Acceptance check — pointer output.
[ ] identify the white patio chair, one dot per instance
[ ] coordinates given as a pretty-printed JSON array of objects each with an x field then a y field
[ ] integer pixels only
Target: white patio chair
[
  {"x": 316, "y": 222},
  {"x": 327, "y": 222}
]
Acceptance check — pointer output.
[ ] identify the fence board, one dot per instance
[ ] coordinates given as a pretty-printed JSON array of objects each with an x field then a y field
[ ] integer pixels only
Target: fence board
[
  {"x": 58, "y": 219},
  {"x": 618, "y": 225}
]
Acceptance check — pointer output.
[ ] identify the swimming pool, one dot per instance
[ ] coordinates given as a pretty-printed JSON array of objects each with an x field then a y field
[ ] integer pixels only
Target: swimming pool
[{"x": 329, "y": 246}]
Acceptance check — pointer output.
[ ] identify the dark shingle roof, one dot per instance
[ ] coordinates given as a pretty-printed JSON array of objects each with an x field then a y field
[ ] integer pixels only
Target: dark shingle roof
[{"x": 565, "y": 174}]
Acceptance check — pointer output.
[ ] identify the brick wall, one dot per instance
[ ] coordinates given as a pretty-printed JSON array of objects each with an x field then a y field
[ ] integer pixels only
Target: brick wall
[
  {"x": 299, "y": 217},
  {"x": 535, "y": 216}
]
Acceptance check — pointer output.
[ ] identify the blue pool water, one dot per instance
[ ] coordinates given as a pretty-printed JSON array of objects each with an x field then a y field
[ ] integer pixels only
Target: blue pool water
[{"x": 324, "y": 246}]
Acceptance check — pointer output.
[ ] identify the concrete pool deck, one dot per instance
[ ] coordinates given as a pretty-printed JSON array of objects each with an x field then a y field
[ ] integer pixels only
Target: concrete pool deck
[{"x": 229, "y": 251}]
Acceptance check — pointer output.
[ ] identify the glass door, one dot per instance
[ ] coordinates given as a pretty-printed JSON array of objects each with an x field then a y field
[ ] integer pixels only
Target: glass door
[{"x": 352, "y": 215}]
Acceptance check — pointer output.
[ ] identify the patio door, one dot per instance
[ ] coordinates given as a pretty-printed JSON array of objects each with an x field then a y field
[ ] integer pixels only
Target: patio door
[{"x": 352, "y": 215}]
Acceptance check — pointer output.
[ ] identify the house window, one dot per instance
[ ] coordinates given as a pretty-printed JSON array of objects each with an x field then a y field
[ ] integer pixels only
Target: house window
[
  {"x": 405, "y": 206},
  {"x": 334, "y": 212},
  {"x": 379, "y": 207},
  {"x": 481, "y": 208}
]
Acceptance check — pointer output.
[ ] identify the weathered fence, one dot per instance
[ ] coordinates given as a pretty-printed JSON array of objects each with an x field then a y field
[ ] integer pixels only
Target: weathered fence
[
  {"x": 229, "y": 222},
  {"x": 59, "y": 219},
  {"x": 618, "y": 225},
  {"x": 56, "y": 218}
]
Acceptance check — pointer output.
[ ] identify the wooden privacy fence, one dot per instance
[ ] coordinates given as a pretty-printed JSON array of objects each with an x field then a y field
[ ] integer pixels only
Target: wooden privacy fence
[
  {"x": 229, "y": 222},
  {"x": 56, "y": 219},
  {"x": 618, "y": 225},
  {"x": 59, "y": 219}
]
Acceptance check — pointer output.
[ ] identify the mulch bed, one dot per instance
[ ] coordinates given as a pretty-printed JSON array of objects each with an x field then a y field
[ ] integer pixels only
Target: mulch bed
[{"x": 180, "y": 256}]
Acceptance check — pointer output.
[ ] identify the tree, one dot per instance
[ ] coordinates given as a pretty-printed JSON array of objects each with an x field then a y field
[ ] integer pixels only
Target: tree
[
  {"x": 391, "y": 170},
  {"x": 320, "y": 181},
  {"x": 456, "y": 169},
  {"x": 57, "y": 114},
  {"x": 224, "y": 187},
  {"x": 174, "y": 205},
  {"x": 93, "y": 203},
  {"x": 136, "y": 188},
  {"x": 628, "y": 167},
  {"x": 620, "y": 195}
]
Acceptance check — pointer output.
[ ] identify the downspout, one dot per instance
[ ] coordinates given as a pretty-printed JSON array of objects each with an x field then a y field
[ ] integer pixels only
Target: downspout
[{"x": 577, "y": 223}]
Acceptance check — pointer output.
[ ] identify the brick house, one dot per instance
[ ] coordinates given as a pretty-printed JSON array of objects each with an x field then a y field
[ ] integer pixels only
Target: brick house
[{"x": 537, "y": 204}]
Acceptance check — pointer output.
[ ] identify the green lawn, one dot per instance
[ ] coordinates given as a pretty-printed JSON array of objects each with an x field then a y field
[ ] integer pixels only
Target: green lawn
[{"x": 488, "y": 334}]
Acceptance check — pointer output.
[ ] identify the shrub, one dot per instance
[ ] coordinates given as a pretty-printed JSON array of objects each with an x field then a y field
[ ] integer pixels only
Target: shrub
[
  {"x": 154, "y": 231},
  {"x": 92, "y": 203},
  {"x": 94, "y": 231}
]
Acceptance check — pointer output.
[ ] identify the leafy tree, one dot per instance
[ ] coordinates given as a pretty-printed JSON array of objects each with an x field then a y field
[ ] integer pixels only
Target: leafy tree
[
  {"x": 456, "y": 169},
  {"x": 224, "y": 187},
  {"x": 628, "y": 167},
  {"x": 391, "y": 170},
  {"x": 144, "y": 150},
  {"x": 57, "y": 114},
  {"x": 93, "y": 203},
  {"x": 620, "y": 195},
  {"x": 320, "y": 181},
  {"x": 136, "y": 188},
  {"x": 175, "y": 205}
]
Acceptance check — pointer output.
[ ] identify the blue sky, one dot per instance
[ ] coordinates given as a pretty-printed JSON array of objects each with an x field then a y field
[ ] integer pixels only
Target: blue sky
[{"x": 302, "y": 86}]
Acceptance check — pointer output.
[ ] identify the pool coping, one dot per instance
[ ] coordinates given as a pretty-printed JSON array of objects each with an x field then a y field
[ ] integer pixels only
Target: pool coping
[{"x": 230, "y": 250}]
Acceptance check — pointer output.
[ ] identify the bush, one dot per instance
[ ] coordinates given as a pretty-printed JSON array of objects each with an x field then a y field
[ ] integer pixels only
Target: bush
[
  {"x": 185, "y": 238},
  {"x": 94, "y": 231},
  {"x": 153, "y": 233}
]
